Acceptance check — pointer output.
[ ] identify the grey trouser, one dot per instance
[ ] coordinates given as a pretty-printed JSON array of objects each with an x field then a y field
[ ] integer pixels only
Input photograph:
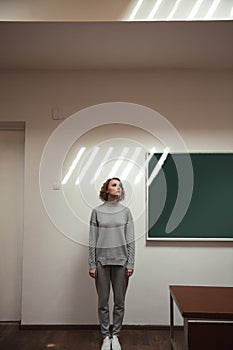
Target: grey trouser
[{"x": 115, "y": 275}]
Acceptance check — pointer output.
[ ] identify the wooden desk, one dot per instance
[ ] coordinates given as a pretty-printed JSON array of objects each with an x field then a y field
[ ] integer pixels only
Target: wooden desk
[{"x": 200, "y": 303}]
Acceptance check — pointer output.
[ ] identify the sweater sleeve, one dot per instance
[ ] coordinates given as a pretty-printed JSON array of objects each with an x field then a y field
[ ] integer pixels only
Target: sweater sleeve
[
  {"x": 130, "y": 238},
  {"x": 93, "y": 233}
]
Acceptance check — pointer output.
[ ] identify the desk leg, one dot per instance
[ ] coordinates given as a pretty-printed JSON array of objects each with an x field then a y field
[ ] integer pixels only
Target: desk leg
[
  {"x": 186, "y": 344},
  {"x": 172, "y": 339}
]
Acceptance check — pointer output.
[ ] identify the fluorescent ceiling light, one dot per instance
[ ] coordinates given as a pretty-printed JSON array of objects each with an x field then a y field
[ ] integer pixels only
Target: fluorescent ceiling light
[
  {"x": 154, "y": 10},
  {"x": 171, "y": 14},
  {"x": 157, "y": 10},
  {"x": 73, "y": 165},
  {"x": 135, "y": 10},
  {"x": 85, "y": 168},
  {"x": 118, "y": 162},
  {"x": 140, "y": 173},
  {"x": 194, "y": 10},
  {"x": 106, "y": 157},
  {"x": 158, "y": 166},
  {"x": 212, "y": 9},
  {"x": 130, "y": 163}
]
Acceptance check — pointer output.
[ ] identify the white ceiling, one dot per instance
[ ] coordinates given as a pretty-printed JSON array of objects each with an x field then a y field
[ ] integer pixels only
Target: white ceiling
[
  {"x": 114, "y": 10},
  {"x": 113, "y": 45}
]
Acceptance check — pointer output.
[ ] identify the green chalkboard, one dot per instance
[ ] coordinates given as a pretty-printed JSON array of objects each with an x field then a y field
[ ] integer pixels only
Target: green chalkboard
[{"x": 209, "y": 214}]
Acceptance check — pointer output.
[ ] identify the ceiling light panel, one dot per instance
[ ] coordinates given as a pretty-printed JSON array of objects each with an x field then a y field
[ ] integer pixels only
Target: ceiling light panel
[{"x": 180, "y": 10}]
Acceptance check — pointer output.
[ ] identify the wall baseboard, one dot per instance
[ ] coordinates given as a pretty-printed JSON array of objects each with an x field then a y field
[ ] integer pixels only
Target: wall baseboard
[
  {"x": 94, "y": 327},
  {"x": 9, "y": 323}
]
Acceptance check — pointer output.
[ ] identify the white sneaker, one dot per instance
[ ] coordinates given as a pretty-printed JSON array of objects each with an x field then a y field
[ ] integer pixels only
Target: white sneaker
[
  {"x": 106, "y": 344},
  {"x": 115, "y": 343}
]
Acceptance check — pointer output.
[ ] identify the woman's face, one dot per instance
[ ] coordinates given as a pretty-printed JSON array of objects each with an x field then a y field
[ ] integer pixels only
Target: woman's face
[{"x": 114, "y": 189}]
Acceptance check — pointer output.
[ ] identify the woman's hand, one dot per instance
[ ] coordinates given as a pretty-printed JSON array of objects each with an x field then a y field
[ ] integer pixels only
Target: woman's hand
[
  {"x": 93, "y": 273},
  {"x": 129, "y": 272}
]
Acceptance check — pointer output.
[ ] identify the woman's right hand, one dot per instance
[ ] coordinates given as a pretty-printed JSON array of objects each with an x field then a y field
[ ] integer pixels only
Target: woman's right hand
[{"x": 93, "y": 273}]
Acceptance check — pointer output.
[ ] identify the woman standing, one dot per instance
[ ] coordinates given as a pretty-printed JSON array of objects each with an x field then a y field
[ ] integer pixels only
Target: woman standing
[{"x": 111, "y": 257}]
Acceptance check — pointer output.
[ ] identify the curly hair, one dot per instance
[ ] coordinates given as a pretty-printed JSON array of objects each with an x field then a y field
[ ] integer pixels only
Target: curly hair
[{"x": 103, "y": 191}]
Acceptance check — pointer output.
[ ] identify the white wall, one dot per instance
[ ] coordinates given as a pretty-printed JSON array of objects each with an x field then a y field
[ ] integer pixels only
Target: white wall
[
  {"x": 61, "y": 10},
  {"x": 56, "y": 286},
  {"x": 11, "y": 223}
]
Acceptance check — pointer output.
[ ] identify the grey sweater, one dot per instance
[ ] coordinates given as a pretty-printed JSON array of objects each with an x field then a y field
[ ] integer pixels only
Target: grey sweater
[{"x": 111, "y": 236}]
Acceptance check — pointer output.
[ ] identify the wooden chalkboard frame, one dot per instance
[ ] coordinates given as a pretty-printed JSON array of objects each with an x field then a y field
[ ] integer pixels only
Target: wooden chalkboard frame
[{"x": 156, "y": 232}]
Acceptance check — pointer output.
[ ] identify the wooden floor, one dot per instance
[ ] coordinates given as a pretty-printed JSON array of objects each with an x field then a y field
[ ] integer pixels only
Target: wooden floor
[{"x": 13, "y": 338}]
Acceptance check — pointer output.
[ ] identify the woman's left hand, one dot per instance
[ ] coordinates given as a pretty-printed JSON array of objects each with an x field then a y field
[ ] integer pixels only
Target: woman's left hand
[{"x": 129, "y": 272}]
